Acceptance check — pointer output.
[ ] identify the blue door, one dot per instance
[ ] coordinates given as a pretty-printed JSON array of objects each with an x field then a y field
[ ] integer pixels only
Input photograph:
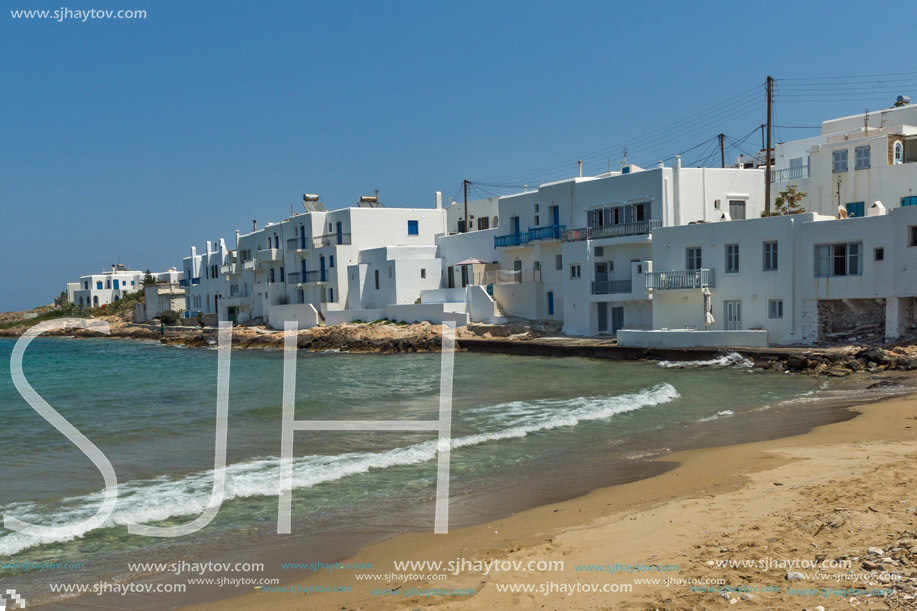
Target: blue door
[
  {"x": 550, "y": 303},
  {"x": 302, "y": 245},
  {"x": 555, "y": 217},
  {"x": 321, "y": 268},
  {"x": 340, "y": 232},
  {"x": 304, "y": 277},
  {"x": 515, "y": 225},
  {"x": 116, "y": 285}
]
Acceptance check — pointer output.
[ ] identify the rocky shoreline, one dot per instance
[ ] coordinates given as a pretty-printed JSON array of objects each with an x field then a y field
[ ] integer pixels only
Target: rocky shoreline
[{"x": 384, "y": 337}]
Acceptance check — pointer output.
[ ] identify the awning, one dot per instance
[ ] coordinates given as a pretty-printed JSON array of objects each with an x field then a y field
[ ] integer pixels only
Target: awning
[{"x": 472, "y": 262}]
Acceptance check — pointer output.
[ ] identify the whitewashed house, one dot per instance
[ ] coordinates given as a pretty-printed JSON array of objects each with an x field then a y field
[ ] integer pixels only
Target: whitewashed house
[
  {"x": 853, "y": 162},
  {"x": 576, "y": 251},
  {"x": 793, "y": 279},
  {"x": 110, "y": 286}
]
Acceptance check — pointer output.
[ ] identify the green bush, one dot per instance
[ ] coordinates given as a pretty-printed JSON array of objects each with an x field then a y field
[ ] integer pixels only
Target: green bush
[{"x": 170, "y": 317}]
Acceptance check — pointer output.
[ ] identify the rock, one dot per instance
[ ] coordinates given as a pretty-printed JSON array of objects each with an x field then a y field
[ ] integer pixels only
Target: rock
[
  {"x": 875, "y": 551},
  {"x": 838, "y": 371},
  {"x": 869, "y": 565},
  {"x": 747, "y": 596},
  {"x": 791, "y": 575}
]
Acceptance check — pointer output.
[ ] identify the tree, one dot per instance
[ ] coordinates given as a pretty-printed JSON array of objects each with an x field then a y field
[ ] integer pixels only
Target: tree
[
  {"x": 170, "y": 317},
  {"x": 788, "y": 202},
  {"x": 148, "y": 279}
]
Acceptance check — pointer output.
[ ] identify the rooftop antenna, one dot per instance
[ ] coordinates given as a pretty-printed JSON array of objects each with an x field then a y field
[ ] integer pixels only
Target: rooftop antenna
[
  {"x": 624, "y": 163},
  {"x": 866, "y": 121}
]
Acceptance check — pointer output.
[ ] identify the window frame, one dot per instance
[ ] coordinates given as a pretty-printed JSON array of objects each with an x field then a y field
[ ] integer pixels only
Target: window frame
[
  {"x": 771, "y": 257},
  {"x": 744, "y": 205},
  {"x": 839, "y": 157},
  {"x": 857, "y": 157},
  {"x": 733, "y": 258},
  {"x": 414, "y": 227},
  {"x": 772, "y": 305},
  {"x": 694, "y": 258}
]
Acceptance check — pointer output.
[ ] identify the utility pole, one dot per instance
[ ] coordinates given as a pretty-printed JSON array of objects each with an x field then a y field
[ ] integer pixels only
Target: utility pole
[
  {"x": 767, "y": 150},
  {"x": 722, "y": 151},
  {"x": 465, "y": 187}
]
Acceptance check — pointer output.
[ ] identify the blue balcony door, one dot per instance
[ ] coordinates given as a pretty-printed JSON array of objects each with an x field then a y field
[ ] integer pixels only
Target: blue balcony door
[
  {"x": 340, "y": 232},
  {"x": 321, "y": 268},
  {"x": 116, "y": 284},
  {"x": 515, "y": 221},
  {"x": 550, "y": 303},
  {"x": 303, "y": 269},
  {"x": 302, "y": 244},
  {"x": 555, "y": 215}
]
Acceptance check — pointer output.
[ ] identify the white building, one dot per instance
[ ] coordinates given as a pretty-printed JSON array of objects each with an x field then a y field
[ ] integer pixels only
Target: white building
[
  {"x": 157, "y": 298},
  {"x": 109, "y": 286},
  {"x": 576, "y": 251},
  {"x": 783, "y": 280},
  {"x": 853, "y": 162}
]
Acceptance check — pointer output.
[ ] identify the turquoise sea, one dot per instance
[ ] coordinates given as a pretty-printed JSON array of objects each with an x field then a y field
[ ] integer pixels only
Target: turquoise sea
[{"x": 525, "y": 430}]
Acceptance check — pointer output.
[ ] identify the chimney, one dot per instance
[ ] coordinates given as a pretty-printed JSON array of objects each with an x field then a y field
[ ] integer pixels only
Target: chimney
[
  {"x": 255, "y": 225},
  {"x": 439, "y": 200},
  {"x": 209, "y": 246},
  {"x": 237, "y": 238},
  {"x": 661, "y": 164},
  {"x": 580, "y": 163}
]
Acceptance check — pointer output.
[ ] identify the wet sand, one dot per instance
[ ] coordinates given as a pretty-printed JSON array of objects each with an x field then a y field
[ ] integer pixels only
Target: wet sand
[{"x": 835, "y": 490}]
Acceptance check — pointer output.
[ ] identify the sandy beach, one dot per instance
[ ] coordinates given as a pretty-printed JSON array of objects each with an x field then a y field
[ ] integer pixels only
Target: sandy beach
[{"x": 781, "y": 524}]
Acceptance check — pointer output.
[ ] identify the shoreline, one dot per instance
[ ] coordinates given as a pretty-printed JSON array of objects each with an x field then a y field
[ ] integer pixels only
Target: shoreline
[
  {"x": 664, "y": 519},
  {"x": 399, "y": 338}
]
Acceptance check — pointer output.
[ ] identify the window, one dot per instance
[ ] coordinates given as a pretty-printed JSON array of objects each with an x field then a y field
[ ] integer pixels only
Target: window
[
  {"x": 484, "y": 222},
  {"x": 99, "y": 285},
  {"x": 840, "y": 161},
  {"x": 770, "y": 256},
  {"x": 272, "y": 274},
  {"x": 331, "y": 295},
  {"x": 638, "y": 212},
  {"x": 862, "y": 157},
  {"x": 910, "y": 200},
  {"x": 461, "y": 226},
  {"x": 537, "y": 221},
  {"x": 390, "y": 270},
  {"x": 898, "y": 154},
  {"x": 282, "y": 277},
  {"x": 575, "y": 271},
  {"x": 377, "y": 279},
  {"x": 599, "y": 251},
  {"x": 559, "y": 262},
  {"x": 913, "y": 233},
  {"x": 736, "y": 209},
  {"x": 855, "y": 209},
  {"x": 879, "y": 254},
  {"x": 423, "y": 272},
  {"x": 775, "y": 308},
  {"x": 330, "y": 260},
  {"x": 732, "y": 258},
  {"x": 838, "y": 260},
  {"x": 413, "y": 228},
  {"x": 693, "y": 258}
]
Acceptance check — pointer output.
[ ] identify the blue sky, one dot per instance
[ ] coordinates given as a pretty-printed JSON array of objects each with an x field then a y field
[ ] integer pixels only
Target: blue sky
[{"x": 135, "y": 139}]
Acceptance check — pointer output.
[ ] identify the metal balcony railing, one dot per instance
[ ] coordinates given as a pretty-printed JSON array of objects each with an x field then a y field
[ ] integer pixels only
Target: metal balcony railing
[
  {"x": 300, "y": 278},
  {"x": 680, "y": 279},
  {"x": 182, "y": 283},
  {"x": 612, "y": 231},
  {"x": 331, "y": 239},
  {"x": 552, "y": 232},
  {"x": 513, "y": 239},
  {"x": 195, "y": 281},
  {"x": 610, "y": 287},
  {"x": 786, "y": 174}
]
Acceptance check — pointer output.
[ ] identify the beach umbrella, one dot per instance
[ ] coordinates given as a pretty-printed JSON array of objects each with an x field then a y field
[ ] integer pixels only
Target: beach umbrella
[{"x": 708, "y": 307}]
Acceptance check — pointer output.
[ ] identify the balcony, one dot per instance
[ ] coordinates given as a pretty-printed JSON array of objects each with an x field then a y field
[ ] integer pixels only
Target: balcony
[
  {"x": 182, "y": 283},
  {"x": 552, "y": 232},
  {"x": 248, "y": 265},
  {"x": 611, "y": 287},
  {"x": 514, "y": 239},
  {"x": 331, "y": 239},
  {"x": 612, "y": 231},
  {"x": 268, "y": 255},
  {"x": 294, "y": 244},
  {"x": 231, "y": 269},
  {"x": 786, "y": 174},
  {"x": 682, "y": 279},
  {"x": 299, "y": 278}
]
